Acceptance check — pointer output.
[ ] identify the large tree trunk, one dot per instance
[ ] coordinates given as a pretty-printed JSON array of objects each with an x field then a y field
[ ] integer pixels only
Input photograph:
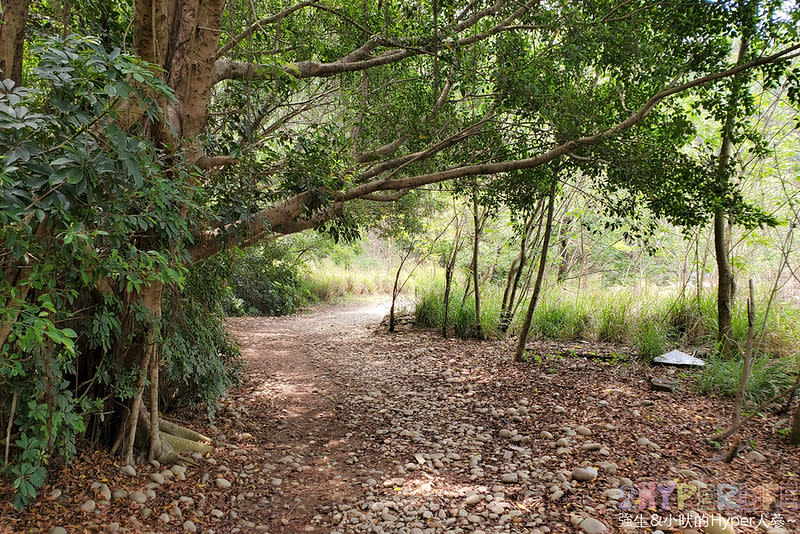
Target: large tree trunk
[
  {"x": 548, "y": 230},
  {"x": 12, "y": 38}
]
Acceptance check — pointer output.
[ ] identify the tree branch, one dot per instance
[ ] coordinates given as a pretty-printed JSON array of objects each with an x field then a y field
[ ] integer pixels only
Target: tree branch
[
  {"x": 292, "y": 215},
  {"x": 227, "y": 47}
]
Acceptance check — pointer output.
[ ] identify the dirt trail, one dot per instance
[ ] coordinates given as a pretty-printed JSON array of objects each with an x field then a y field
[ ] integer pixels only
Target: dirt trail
[
  {"x": 343, "y": 428},
  {"x": 291, "y": 406}
]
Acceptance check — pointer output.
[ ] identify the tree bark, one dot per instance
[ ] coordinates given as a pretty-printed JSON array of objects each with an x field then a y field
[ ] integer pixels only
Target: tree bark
[
  {"x": 12, "y": 38},
  {"x": 548, "y": 230}
]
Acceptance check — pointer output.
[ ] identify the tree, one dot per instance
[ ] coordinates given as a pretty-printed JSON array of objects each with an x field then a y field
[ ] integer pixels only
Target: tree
[{"x": 224, "y": 133}]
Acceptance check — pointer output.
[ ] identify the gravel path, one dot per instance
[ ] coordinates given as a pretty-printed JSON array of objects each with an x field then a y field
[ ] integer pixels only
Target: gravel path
[{"x": 341, "y": 428}]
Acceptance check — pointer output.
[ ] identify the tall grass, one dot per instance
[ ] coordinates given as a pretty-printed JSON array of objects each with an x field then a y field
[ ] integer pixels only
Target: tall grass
[
  {"x": 429, "y": 309},
  {"x": 326, "y": 280},
  {"x": 651, "y": 321},
  {"x": 721, "y": 377}
]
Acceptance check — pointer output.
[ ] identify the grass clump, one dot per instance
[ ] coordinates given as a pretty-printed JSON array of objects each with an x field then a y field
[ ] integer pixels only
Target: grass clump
[{"x": 721, "y": 377}]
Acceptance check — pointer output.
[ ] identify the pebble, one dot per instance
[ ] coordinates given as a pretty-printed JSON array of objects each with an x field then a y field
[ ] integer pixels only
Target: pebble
[
  {"x": 55, "y": 494},
  {"x": 584, "y": 474},
  {"x": 582, "y": 430},
  {"x": 58, "y": 530},
  {"x": 473, "y": 499},
  {"x": 755, "y": 456},
  {"x": 510, "y": 478},
  {"x": 111, "y": 528},
  {"x": 118, "y": 494},
  {"x": 128, "y": 470},
  {"x": 222, "y": 483},
  {"x": 591, "y": 525},
  {"x": 718, "y": 525},
  {"x": 138, "y": 497},
  {"x": 157, "y": 478},
  {"x": 89, "y": 506},
  {"x": 189, "y": 526}
]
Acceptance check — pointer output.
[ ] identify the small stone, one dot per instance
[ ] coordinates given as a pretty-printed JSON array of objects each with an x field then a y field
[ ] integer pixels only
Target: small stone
[
  {"x": 275, "y": 481},
  {"x": 222, "y": 483},
  {"x": 777, "y": 531},
  {"x": 718, "y": 525},
  {"x": 55, "y": 494},
  {"x": 755, "y": 456},
  {"x": 128, "y": 470},
  {"x": 544, "y": 434},
  {"x": 219, "y": 514},
  {"x": 104, "y": 492},
  {"x": 473, "y": 499},
  {"x": 89, "y": 506},
  {"x": 556, "y": 495},
  {"x": 111, "y": 528},
  {"x": 584, "y": 473},
  {"x": 164, "y": 518},
  {"x": 592, "y": 526},
  {"x": 58, "y": 530},
  {"x": 189, "y": 526},
  {"x": 582, "y": 430},
  {"x": 138, "y": 497},
  {"x": 643, "y": 442},
  {"x": 591, "y": 447},
  {"x": 118, "y": 494},
  {"x": 688, "y": 473},
  {"x": 505, "y": 433},
  {"x": 157, "y": 478},
  {"x": 509, "y": 478}
]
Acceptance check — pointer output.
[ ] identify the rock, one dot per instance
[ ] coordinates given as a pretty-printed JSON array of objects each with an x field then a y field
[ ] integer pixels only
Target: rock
[
  {"x": 582, "y": 430},
  {"x": 219, "y": 514},
  {"x": 164, "y": 518},
  {"x": 118, "y": 494},
  {"x": 89, "y": 506},
  {"x": 222, "y": 483},
  {"x": 138, "y": 497},
  {"x": 128, "y": 470},
  {"x": 510, "y": 478},
  {"x": 755, "y": 456},
  {"x": 473, "y": 499},
  {"x": 688, "y": 473},
  {"x": 643, "y": 442},
  {"x": 157, "y": 478},
  {"x": 777, "y": 531},
  {"x": 614, "y": 493},
  {"x": 111, "y": 528},
  {"x": 58, "y": 530},
  {"x": 591, "y": 447},
  {"x": 556, "y": 495},
  {"x": 55, "y": 494},
  {"x": 275, "y": 481},
  {"x": 189, "y": 526},
  {"x": 592, "y": 526},
  {"x": 718, "y": 525},
  {"x": 584, "y": 474},
  {"x": 544, "y": 434},
  {"x": 505, "y": 433},
  {"x": 104, "y": 492}
]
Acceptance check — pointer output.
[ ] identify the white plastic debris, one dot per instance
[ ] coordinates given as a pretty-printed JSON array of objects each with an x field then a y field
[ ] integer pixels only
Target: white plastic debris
[{"x": 676, "y": 357}]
